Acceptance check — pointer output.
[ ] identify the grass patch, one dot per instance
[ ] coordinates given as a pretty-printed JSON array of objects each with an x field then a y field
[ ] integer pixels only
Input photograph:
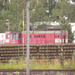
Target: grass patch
[{"x": 41, "y": 64}]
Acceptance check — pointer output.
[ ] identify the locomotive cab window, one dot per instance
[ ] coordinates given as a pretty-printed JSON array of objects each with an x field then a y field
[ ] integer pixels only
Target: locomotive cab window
[
  {"x": 10, "y": 36},
  {"x": 55, "y": 36},
  {"x": 34, "y": 36},
  {"x": 6, "y": 36},
  {"x": 39, "y": 36},
  {"x": 64, "y": 39},
  {"x": 58, "y": 36},
  {"x": 14, "y": 36},
  {"x": 19, "y": 36},
  {"x": 30, "y": 36},
  {"x": 43, "y": 36}
]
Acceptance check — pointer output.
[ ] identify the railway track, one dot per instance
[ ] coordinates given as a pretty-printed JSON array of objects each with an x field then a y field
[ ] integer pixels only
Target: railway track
[
  {"x": 37, "y": 72},
  {"x": 42, "y": 51}
]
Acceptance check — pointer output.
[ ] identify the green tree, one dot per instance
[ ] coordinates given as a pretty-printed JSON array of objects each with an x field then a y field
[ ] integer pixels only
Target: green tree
[
  {"x": 1, "y": 4},
  {"x": 51, "y": 4},
  {"x": 13, "y": 11},
  {"x": 64, "y": 9},
  {"x": 67, "y": 26},
  {"x": 39, "y": 12},
  {"x": 21, "y": 26}
]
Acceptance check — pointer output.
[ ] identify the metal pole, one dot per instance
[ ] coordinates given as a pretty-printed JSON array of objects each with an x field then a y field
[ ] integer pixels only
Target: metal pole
[
  {"x": 28, "y": 29},
  {"x": 8, "y": 26},
  {"x": 47, "y": 50},
  {"x": 18, "y": 52},
  {"x": 49, "y": 7},
  {"x": 61, "y": 36},
  {"x": 23, "y": 31},
  {"x": 8, "y": 23},
  {"x": 61, "y": 45}
]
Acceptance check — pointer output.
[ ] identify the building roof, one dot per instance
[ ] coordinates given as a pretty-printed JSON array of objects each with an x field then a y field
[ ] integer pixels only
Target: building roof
[{"x": 47, "y": 27}]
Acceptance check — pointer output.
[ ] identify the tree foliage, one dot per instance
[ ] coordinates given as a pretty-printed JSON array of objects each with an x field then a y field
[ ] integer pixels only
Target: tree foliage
[
  {"x": 20, "y": 28},
  {"x": 1, "y": 4},
  {"x": 13, "y": 12},
  {"x": 64, "y": 9},
  {"x": 67, "y": 26},
  {"x": 38, "y": 12}
]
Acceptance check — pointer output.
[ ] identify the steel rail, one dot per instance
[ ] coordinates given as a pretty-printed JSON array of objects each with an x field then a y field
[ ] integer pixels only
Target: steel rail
[
  {"x": 24, "y": 70},
  {"x": 37, "y": 72}
]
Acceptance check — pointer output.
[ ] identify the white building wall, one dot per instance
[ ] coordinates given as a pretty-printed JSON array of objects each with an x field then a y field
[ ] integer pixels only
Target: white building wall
[
  {"x": 73, "y": 30},
  {"x": 2, "y": 38}
]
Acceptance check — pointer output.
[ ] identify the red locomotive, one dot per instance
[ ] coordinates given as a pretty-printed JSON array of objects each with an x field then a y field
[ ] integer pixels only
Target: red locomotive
[{"x": 36, "y": 37}]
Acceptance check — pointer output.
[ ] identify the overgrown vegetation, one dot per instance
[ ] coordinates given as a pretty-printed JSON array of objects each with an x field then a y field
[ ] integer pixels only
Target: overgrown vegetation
[{"x": 38, "y": 64}]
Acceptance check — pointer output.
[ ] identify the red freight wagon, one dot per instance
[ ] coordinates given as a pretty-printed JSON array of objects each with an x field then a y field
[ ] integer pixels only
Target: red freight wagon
[{"x": 36, "y": 37}]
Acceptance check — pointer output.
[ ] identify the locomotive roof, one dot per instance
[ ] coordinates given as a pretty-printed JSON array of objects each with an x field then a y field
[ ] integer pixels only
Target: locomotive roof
[
  {"x": 13, "y": 32},
  {"x": 55, "y": 31},
  {"x": 52, "y": 31}
]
